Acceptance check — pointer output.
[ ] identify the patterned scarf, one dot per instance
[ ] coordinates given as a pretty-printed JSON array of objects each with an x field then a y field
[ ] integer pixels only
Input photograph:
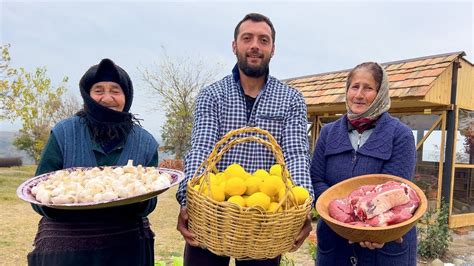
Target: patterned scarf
[{"x": 380, "y": 105}]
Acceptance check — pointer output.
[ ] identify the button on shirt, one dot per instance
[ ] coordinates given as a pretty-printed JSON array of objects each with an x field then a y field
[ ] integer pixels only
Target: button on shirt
[{"x": 279, "y": 109}]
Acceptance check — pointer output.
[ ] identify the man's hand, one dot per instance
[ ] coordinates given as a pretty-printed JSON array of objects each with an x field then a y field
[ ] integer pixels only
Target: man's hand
[
  {"x": 373, "y": 245},
  {"x": 307, "y": 227},
  {"x": 182, "y": 227}
]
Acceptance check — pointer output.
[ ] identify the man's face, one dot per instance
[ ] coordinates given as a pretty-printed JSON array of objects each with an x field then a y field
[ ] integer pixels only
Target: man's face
[{"x": 254, "y": 48}]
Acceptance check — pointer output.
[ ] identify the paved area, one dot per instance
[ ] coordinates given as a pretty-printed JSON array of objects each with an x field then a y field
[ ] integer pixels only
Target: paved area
[{"x": 460, "y": 253}]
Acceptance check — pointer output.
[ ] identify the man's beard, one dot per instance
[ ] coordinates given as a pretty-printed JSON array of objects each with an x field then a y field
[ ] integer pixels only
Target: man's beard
[{"x": 253, "y": 71}]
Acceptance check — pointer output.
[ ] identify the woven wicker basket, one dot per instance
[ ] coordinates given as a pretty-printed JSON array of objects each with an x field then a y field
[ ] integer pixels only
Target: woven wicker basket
[
  {"x": 243, "y": 233},
  {"x": 372, "y": 234}
]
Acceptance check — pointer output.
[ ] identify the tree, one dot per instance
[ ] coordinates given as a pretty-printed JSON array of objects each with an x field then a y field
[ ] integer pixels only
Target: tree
[
  {"x": 68, "y": 107},
  {"x": 6, "y": 72},
  {"x": 177, "y": 81},
  {"x": 31, "y": 98}
]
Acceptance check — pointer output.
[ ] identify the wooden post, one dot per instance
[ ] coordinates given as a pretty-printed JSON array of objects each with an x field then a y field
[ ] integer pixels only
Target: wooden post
[
  {"x": 441, "y": 159},
  {"x": 450, "y": 141}
]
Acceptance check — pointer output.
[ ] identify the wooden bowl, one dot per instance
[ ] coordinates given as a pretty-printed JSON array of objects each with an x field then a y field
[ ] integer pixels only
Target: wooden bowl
[{"x": 372, "y": 234}]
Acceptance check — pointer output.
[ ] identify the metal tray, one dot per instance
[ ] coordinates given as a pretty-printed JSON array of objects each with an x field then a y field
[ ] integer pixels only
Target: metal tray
[{"x": 24, "y": 192}]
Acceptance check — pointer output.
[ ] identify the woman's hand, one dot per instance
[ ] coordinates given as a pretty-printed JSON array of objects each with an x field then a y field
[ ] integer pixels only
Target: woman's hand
[{"x": 373, "y": 245}]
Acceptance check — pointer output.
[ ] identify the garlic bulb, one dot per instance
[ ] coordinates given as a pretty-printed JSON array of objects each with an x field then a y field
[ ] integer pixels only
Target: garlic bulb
[{"x": 99, "y": 185}]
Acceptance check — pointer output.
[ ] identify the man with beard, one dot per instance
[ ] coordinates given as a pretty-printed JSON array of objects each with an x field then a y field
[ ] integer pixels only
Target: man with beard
[
  {"x": 248, "y": 97},
  {"x": 104, "y": 133}
]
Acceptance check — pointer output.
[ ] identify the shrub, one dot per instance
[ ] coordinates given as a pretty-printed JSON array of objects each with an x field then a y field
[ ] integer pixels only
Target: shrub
[
  {"x": 314, "y": 214},
  {"x": 435, "y": 236},
  {"x": 172, "y": 164},
  {"x": 286, "y": 261},
  {"x": 313, "y": 249},
  {"x": 11, "y": 161}
]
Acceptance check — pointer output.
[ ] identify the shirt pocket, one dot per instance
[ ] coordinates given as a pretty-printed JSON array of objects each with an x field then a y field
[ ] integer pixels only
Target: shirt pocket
[
  {"x": 393, "y": 253},
  {"x": 272, "y": 123}
]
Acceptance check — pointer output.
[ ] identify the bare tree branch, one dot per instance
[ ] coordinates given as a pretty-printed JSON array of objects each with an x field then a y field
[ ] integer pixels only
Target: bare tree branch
[{"x": 176, "y": 83}]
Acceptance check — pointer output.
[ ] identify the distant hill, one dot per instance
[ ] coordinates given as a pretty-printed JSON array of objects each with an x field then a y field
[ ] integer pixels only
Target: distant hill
[{"x": 8, "y": 150}]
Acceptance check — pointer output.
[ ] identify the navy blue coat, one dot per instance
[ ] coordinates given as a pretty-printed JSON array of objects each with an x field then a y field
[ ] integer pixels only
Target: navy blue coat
[{"x": 390, "y": 149}]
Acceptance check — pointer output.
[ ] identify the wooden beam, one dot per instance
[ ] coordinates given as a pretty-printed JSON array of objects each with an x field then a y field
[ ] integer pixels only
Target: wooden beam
[
  {"x": 441, "y": 159},
  {"x": 320, "y": 110},
  {"x": 456, "y": 115},
  {"x": 469, "y": 166},
  {"x": 435, "y": 124},
  {"x": 460, "y": 220}
]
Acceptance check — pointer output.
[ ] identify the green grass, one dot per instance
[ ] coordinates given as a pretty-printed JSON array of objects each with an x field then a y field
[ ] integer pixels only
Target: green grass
[
  {"x": 11, "y": 178},
  {"x": 19, "y": 223}
]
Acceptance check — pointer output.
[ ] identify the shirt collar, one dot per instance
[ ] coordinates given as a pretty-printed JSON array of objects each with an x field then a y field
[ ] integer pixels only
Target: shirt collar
[{"x": 350, "y": 127}]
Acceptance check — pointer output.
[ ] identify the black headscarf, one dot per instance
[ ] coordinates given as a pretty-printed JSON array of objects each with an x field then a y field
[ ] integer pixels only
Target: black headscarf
[{"x": 107, "y": 126}]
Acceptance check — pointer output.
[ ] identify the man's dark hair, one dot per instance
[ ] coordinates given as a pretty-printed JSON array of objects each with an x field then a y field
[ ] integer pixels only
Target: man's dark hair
[{"x": 255, "y": 17}]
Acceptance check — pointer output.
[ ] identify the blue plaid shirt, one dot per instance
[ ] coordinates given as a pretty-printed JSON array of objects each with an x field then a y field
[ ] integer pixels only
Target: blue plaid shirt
[{"x": 221, "y": 107}]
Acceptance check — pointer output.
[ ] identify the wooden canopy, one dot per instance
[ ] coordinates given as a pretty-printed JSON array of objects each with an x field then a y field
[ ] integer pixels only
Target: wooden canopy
[{"x": 418, "y": 83}]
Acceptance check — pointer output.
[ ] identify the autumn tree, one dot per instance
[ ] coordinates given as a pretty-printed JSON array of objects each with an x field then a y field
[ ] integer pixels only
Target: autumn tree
[
  {"x": 6, "y": 71},
  {"x": 177, "y": 82},
  {"x": 31, "y": 98}
]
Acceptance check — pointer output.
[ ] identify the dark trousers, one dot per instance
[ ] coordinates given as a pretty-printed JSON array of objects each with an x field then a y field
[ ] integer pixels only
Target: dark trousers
[
  {"x": 98, "y": 243},
  {"x": 200, "y": 257}
]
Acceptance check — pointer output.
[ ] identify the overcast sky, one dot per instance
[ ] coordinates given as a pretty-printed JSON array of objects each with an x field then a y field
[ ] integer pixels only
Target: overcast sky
[{"x": 311, "y": 37}]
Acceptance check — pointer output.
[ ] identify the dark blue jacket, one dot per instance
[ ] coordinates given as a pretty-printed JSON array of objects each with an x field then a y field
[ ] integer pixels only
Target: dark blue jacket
[
  {"x": 390, "y": 149},
  {"x": 74, "y": 146},
  {"x": 75, "y": 143}
]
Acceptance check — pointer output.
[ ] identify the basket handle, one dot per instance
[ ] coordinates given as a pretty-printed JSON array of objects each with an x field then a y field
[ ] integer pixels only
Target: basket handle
[
  {"x": 276, "y": 152},
  {"x": 274, "y": 147},
  {"x": 215, "y": 156},
  {"x": 225, "y": 138},
  {"x": 242, "y": 130}
]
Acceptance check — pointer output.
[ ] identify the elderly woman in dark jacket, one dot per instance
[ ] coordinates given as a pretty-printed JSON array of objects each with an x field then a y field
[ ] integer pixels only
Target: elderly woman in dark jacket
[
  {"x": 103, "y": 133},
  {"x": 367, "y": 140}
]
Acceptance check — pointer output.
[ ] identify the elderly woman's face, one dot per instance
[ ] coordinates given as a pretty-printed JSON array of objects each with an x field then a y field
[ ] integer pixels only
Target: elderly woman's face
[
  {"x": 108, "y": 94},
  {"x": 362, "y": 91}
]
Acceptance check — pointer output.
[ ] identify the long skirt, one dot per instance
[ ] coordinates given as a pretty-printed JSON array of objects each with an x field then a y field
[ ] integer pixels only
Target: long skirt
[{"x": 111, "y": 242}]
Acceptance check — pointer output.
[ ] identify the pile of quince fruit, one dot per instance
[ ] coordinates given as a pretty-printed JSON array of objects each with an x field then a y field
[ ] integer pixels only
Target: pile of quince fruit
[{"x": 264, "y": 189}]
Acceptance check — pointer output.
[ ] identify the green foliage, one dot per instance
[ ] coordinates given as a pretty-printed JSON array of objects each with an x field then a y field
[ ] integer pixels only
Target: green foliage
[
  {"x": 176, "y": 132},
  {"x": 5, "y": 70},
  {"x": 178, "y": 261},
  {"x": 435, "y": 237},
  {"x": 177, "y": 81},
  {"x": 314, "y": 214},
  {"x": 313, "y": 249},
  {"x": 31, "y": 98},
  {"x": 11, "y": 178}
]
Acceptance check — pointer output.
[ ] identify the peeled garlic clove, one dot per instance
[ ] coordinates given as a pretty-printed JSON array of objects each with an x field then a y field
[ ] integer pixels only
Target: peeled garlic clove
[
  {"x": 109, "y": 195},
  {"x": 118, "y": 171},
  {"x": 122, "y": 192},
  {"x": 43, "y": 196}
]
